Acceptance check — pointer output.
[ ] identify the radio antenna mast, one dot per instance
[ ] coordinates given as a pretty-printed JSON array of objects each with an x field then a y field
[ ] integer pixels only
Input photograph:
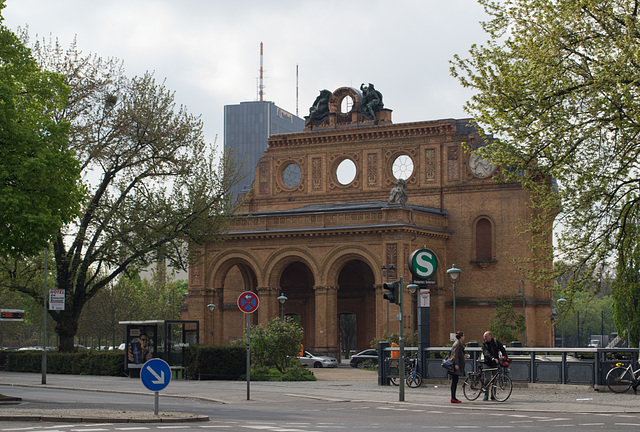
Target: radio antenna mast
[{"x": 261, "y": 85}]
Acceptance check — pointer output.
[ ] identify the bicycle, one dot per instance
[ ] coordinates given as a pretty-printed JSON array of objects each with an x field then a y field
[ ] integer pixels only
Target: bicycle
[
  {"x": 414, "y": 379},
  {"x": 499, "y": 385},
  {"x": 412, "y": 376},
  {"x": 620, "y": 378}
]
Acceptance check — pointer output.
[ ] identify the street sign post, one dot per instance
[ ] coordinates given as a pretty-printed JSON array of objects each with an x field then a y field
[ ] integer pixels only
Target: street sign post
[
  {"x": 11, "y": 315},
  {"x": 56, "y": 299},
  {"x": 155, "y": 375},
  {"x": 248, "y": 303}
]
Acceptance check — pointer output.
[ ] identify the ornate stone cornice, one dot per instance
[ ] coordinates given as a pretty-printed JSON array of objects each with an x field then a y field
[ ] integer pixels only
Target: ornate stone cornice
[{"x": 364, "y": 133}]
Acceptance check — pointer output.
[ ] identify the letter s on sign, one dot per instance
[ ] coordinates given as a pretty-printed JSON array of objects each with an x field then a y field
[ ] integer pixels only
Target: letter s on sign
[{"x": 424, "y": 264}]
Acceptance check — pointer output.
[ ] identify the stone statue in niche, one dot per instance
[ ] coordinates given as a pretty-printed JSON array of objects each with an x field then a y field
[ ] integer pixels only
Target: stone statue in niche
[
  {"x": 320, "y": 108},
  {"x": 371, "y": 101},
  {"x": 398, "y": 195}
]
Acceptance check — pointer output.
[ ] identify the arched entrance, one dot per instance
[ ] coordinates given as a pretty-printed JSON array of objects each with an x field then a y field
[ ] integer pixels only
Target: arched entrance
[
  {"x": 356, "y": 306},
  {"x": 239, "y": 277},
  {"x": 296, "y": 283}
]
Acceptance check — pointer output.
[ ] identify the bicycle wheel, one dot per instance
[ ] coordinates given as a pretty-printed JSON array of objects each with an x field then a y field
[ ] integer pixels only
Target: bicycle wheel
[
  {"x": 414, "y": 379},
  {"x": 502, "y": 387},
  {"x": 619, "y": 379},
  {"x": 395, "y": 381},
  {"x": 472, "y": 387}
]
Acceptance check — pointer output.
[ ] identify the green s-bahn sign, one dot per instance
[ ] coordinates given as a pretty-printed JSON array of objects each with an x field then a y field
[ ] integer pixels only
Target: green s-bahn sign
[{"x": 422, "y": 263}]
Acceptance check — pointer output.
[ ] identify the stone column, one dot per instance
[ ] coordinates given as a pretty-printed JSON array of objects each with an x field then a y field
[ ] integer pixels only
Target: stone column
[
  {"x": 267, "y": 299},
  {"x": 326, "y": 320},
  {"x": 381, "y": 310},
  {"x": 218, "y": 316}
]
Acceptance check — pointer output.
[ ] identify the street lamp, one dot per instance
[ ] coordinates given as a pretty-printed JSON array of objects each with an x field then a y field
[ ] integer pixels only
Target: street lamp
[
  {"x": 413, "y": 288},
  {"x": 211, "y": 307},
  {"x": 282, "y": 299},
  {"x": 521, "y": 294},
  {"x": 454, "y": 274},
  {"x": 561, "y": 302}
]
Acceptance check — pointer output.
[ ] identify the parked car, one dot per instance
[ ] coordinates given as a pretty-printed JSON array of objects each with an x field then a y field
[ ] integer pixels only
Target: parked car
[
  {"x": 357, "y": 360},
  {"x": 318, "y": 361},
  {"x": 594, "y": 343}
]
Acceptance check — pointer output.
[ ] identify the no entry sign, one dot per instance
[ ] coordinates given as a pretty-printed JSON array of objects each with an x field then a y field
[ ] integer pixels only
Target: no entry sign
[{"x": 248, "y": 302}]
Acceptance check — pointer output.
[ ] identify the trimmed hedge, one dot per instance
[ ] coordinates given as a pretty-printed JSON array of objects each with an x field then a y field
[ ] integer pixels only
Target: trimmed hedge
[
  {"x": 80, "y": 363},
  {"x": 215, "y": 362},
  {"x": 201, "y": 362}
]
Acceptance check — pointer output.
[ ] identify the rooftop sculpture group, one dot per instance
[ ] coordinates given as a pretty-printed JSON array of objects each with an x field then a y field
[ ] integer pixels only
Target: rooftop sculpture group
[{"x": 368, "y": 101}]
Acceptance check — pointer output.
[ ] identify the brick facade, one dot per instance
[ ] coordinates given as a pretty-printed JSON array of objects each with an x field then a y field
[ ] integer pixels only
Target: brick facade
[{"x": 321, "y": 241}]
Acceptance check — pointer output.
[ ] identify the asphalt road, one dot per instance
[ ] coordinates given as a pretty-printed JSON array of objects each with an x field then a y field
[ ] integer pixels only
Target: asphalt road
[
  {"x": 304, "y": 415},
  {"x": 341, "y": 399}
]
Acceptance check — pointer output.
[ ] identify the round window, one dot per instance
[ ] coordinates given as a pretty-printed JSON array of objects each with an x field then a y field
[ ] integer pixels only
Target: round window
[
  {"x": 346, "y": 104},
  {"x": 291, "y": 175},
  {"x": 346, "y": 172},
  {"x": 402, "y": 167}
]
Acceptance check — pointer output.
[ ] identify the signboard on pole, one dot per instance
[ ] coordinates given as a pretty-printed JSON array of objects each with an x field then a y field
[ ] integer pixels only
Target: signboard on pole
[
  {"x": 11, "y": 315},
  {"x": 248, "y": 302},
  {"x": 56, "y": 299},
  {"x": 422, "y": 263},
  {"x": 425, "y": 298},
  {"x": 155, "y": 374}
]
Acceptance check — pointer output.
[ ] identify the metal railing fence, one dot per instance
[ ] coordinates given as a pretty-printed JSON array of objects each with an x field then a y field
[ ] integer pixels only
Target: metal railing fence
[{"x": 587, "y": 366}]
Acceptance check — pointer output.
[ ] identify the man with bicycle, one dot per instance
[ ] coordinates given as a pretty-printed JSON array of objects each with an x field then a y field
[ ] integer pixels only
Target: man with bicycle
[{"x": 491, "y": 349}]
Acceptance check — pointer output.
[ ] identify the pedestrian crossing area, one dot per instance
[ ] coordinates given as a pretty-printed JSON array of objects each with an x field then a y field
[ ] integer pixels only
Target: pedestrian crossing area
[{"x": 432, "y": 419}]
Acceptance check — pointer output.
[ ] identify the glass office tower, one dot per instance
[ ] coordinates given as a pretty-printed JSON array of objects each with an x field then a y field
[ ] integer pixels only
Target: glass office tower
[{"x": 247, "y": 127}]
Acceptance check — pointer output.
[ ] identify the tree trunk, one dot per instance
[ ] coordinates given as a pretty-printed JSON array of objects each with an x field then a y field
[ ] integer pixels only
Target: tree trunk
[{"x": 67, "y": 329}]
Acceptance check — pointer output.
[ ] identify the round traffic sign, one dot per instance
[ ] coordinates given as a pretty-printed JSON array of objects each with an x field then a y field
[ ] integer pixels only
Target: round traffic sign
[
  {"x": 248, "y": 302},
  {"x": 155, "y": 374},
  {"x": 422, "y": 263}
]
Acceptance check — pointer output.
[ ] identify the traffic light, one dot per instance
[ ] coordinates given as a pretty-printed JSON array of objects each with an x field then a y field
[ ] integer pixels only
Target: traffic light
[{"x": 391, "y": 292}]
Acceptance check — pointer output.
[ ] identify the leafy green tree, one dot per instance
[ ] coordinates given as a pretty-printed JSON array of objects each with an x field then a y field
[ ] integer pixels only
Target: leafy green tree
[
  {"x": 277, "y": 345},
  {"x": 556, "y": 92},
  {"x": 583, "y": 315},
  {"x": 506, "y": 324},
  {"x": 39, "y": 175},
  {"x": 625, "y": 290},
  {"x": 154, "y": 185}
]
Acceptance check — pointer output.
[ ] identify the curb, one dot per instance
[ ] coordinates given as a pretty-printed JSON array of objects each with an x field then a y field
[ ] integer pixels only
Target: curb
[{"x": 46, "y": 418}]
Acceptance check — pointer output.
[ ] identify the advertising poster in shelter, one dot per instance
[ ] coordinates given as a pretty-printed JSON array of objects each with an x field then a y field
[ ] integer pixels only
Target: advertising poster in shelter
[{"x": 141, "y": 344}]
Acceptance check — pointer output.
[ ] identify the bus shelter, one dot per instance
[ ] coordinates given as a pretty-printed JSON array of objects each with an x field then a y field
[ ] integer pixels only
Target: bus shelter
[{"x": 164, "y": 339}]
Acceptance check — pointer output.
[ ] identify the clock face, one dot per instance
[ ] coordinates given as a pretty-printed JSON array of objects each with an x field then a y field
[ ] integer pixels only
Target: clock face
[
  {"x": 480, "y": 167},
  {"x": 291, "y": 175}
]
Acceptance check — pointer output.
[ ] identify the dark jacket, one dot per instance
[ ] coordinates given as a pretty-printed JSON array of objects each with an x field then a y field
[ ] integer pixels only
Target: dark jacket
[
  {"x": 457, "y": 351},
  {"x": 491, "y": 350}
]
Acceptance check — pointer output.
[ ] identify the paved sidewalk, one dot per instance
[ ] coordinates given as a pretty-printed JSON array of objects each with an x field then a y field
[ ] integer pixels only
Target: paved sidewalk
[{"x": 342, "y": 384}]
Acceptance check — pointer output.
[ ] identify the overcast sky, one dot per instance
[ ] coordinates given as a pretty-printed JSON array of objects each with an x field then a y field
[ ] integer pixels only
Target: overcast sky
[{"x": 209, "y": 51}]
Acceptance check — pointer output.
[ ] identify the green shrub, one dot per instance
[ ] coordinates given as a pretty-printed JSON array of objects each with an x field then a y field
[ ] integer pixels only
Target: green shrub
[
  {"x": 369, "y": 365},
  {"x": 88, "y": 362},
  {"x": 294, "y": 373},
  {"x": 215, "y": 362}
]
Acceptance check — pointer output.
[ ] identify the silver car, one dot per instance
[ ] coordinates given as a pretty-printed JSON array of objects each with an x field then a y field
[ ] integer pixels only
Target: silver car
[{"x": 317, "y": 361}]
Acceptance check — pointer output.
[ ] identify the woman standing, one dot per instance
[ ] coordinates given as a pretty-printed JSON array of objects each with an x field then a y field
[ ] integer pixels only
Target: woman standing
[{"x": 457, "y": 351}]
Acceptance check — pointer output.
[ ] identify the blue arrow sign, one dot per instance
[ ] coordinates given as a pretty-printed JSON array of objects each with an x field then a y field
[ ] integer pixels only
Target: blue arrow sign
[{"x": 155, "y": 374}]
